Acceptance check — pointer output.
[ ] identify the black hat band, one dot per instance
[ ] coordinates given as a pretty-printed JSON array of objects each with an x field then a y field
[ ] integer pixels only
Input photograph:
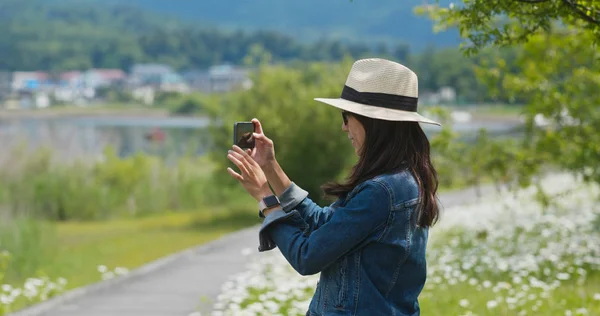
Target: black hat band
[{"x": 383, "y": 100}]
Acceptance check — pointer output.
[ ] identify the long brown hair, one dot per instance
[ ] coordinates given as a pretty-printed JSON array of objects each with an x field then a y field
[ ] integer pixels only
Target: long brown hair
[{"x": 390, "y": 147}]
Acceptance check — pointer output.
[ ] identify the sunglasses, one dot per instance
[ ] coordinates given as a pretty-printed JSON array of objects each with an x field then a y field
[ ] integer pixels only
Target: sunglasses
[{"x": 345, "y": 117}]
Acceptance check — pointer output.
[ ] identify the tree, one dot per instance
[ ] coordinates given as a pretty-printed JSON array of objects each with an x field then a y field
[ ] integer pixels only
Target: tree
[
  {"x": 558, "y": 64},
  {"x": 511, "y": 22},
  {"x": 309, "y": 142}
]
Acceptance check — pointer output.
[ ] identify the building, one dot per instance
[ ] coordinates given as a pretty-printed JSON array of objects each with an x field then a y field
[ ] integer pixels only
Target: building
[
  {"x": 71, "y": 79},
  {"x": 157, "y": 76},
  {"x": 98, "y": 78},
  {"x": 216, "y": 79},
  {"x": 30, "y": 81}
]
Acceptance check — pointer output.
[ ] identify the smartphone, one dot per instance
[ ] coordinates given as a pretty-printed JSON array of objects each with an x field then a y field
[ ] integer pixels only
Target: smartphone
[{"x": 242, "y": 134}]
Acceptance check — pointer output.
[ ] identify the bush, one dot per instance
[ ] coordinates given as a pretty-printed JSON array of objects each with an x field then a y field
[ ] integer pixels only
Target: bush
[
  {"x": 33, "y": 290},
  {"x": 37, "y": 186},
  {"x": 309, "y": 143},
  {"x": 30, "y": 244}
]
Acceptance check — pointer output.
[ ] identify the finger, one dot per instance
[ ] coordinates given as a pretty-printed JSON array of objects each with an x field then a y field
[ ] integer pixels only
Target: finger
[
  {"x": 262, "y": 139},
  {"x": 236, "y": 155},
  {"x": 235, "y": 175},
  {"x": 241, "y": 165},
  {"x": 243, "y": 159},
  {"x": 240, "y": 151},
  {"x": 245, "y": 156},
  {"x": 257, "y": 126}
]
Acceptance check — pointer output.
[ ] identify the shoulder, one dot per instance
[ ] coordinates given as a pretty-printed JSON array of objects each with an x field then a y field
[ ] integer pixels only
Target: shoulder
[
  {"x": 371, "y": 199},
  {"x": 399, "y": 187},
  {"x": 371, "y": 192},
  {"x": 402, "y": 187}
]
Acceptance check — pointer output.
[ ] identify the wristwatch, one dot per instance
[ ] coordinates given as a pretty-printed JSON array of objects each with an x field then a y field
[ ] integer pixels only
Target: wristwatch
[{"x": 267, "y": 202}]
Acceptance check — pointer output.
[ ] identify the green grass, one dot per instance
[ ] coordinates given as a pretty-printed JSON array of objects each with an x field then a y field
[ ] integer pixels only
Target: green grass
[
  {"x": 132, "y": 243},
  {"x": 438, "y": 300}
]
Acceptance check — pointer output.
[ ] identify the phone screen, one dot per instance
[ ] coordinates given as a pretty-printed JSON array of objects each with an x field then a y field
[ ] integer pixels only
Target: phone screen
[{"x": 243, "y": 134}]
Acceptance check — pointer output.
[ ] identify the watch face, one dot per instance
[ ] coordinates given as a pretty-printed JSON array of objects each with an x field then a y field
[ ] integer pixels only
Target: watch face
[{"x": 271, "y": 200}]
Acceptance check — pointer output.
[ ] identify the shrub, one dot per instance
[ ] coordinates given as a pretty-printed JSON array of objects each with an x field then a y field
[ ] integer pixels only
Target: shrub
[
  {"x": 36, "y": 185},
  {"x": 309, "y": 143}
]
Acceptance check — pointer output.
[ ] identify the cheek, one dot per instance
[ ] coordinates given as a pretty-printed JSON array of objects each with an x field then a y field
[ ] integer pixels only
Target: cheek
[{"x": 360, "y": 135}]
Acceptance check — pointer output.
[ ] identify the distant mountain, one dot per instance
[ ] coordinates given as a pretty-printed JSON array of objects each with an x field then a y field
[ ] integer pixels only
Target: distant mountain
[
  {"x": 59, "y": 35},
  {"x": 391, "y": 21}
]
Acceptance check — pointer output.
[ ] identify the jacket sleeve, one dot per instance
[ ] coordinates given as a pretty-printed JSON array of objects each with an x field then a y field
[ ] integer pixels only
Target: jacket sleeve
[
  {"x": 295, "y": 198},
  {"x": 349, "y": 226}
]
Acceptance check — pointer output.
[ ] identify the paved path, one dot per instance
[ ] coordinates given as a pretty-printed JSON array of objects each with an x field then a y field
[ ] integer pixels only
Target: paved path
[{"x": 178, "y": 285}]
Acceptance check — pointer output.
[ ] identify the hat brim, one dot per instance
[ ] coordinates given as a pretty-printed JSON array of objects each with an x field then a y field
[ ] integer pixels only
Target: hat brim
[{"x": 377, "y": 112}]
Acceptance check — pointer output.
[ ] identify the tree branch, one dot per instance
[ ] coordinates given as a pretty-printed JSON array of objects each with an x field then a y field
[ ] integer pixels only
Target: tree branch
[
  {"x": 580, "y": 12},
  {"x": 532, "y": 1}
]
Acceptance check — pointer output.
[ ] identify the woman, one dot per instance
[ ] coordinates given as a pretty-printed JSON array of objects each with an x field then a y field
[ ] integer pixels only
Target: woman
[{"x": 369, "y": 245}]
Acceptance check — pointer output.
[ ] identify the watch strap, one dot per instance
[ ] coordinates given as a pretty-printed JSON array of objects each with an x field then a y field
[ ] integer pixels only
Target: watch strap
[{"x": 267, "y": 202}]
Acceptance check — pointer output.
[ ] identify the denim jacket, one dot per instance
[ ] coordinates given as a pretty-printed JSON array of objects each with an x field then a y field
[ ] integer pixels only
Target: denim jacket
[{"x": 366, "y": 245}]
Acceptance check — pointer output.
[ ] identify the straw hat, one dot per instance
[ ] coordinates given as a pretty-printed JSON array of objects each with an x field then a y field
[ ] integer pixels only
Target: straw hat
[{"x": 381, "y": 89}]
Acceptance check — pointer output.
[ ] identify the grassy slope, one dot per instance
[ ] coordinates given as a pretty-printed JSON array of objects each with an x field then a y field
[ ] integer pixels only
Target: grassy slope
[{"x": 132, "y": 243}]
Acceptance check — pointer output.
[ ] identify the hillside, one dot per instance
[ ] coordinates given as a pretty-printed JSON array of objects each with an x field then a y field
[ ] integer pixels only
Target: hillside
[
  {"x": 58, "y": 35},
  {"x": 355, "y": 20}
]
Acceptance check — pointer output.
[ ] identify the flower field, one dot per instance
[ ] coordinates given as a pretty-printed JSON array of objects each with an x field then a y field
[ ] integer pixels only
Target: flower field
[
  {"x": 39, "y": 289},
  {"x": 505, "y": 254}
]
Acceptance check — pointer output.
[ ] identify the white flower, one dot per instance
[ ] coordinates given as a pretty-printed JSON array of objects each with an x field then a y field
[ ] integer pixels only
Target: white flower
[
  {"x": 5, "y": 299},
  {"x": 108, "y": 275},
  {"x": 517, "y": 279},
  {"x": 563, "y": 276},
  {"x": 121, "y": 271},
  {"x": 102, "y": 269},
  {"x": 6, "y": 287},
  {"x": 597, "y": 297},
  {"x": 581, "y": 311},
  {"x": 491, "y": 304},
  {"x": 464, "y": 303},
  {"x": 16, "y": 293}
]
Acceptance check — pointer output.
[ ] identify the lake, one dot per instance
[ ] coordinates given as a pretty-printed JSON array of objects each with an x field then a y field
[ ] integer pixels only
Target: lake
[{"x": 76, "y": 136}]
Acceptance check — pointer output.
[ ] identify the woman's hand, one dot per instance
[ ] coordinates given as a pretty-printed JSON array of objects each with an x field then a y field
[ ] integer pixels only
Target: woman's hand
[
  {"x": 252, "y": 177},
  {"x": 264, "y": 151},
  {"x": 264, "y": 155}
]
